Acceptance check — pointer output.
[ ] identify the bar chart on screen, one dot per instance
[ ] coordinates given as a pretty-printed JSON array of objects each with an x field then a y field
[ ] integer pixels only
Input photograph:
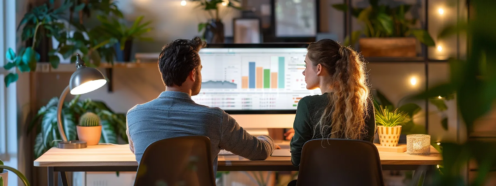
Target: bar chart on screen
[{"x": 250, "y": 79}]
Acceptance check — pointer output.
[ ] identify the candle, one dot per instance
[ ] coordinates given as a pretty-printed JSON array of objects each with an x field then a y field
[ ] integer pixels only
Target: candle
[{"x": 418, "y": 144}]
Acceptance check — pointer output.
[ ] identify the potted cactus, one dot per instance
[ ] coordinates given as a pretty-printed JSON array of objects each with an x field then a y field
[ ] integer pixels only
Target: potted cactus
[
  {"x": 389, "y": 125},
  {"x": 4, "y": 175},
  {"x": 89, "y": 128}
]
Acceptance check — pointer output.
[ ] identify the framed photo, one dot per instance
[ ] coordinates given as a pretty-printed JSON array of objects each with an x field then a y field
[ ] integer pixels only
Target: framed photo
[
  {"x": 247, "y": 30},
  {"x": 295, "y": 18}
]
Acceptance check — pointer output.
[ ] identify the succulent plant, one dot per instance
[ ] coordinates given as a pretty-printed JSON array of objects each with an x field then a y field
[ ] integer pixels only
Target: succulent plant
[{"x": 89, "y": 119}]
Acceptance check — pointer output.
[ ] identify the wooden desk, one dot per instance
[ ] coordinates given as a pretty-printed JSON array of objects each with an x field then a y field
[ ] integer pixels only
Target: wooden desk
[{"x": 120, "y": 158}]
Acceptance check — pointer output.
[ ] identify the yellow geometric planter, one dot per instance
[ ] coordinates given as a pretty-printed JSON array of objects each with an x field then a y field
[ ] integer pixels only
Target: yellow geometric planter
[{"x": 389, "y": 136}]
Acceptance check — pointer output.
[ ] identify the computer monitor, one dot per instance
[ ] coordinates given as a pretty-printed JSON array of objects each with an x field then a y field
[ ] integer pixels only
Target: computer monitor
[{"x": 254, "y": 79}]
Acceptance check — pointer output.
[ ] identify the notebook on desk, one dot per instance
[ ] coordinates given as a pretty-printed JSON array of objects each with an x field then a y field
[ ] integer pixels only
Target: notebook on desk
[{"x": 276, "y": 153}]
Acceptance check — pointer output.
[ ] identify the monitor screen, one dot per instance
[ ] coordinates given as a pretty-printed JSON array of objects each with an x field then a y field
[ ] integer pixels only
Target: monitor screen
[{"x": 253, "y": 79}]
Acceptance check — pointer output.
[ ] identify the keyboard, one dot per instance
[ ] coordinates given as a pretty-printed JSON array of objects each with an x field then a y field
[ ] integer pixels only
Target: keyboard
[{"x": 277, "y": 152}]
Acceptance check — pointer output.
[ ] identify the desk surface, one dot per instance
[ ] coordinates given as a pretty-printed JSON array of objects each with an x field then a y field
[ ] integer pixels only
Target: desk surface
[{"x": 120, "y": 155}]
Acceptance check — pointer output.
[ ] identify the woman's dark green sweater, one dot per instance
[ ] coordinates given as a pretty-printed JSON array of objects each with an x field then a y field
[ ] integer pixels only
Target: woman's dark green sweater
[{"x": 308, "y": 113}]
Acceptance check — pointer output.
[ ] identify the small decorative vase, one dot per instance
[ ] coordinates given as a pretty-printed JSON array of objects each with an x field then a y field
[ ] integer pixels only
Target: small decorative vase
[
  {"x": 91, "y": 135},
  {"x": 418, "y": 144},
  {"x": 124, "y": 55},
  {"x": 5, "y": 177},
  {"x": 214, "y": 32},
  {"x": 389, "y": 136}
]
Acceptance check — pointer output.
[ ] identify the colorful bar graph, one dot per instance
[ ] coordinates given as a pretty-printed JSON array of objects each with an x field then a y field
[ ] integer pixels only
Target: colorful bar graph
[
  {"x": 266, "y": 78},
  {"x": 259, "y": 77},
  {"x": 251, "y": 74},
  {"x": 281, "y": 72},
  {"x": 273, "y": 79},
  {"x": 244, "y": 82}
]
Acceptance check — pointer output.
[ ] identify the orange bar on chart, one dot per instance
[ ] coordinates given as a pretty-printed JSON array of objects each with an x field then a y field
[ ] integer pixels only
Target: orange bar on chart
[
  {"x": 244, "y": 82},
  {"x": 259, "y": 77},
  {"x": 273, "y": 79}
]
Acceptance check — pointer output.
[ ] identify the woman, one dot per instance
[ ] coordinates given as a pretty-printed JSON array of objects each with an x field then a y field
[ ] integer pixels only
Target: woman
[{"x": 344, "y": 109}]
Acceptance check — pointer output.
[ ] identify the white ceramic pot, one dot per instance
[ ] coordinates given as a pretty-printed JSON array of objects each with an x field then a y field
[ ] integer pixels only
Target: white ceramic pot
[
  {"x": 91, "y": 135},
  {"x": 5, "y": 177},
  {"x": 389, "y": 136}
]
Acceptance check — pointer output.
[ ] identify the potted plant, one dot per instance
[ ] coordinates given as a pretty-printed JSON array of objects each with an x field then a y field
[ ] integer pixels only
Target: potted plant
[
  {"x": 4, "y": 175},
  {"x": 387, "y": 29},
  {"x": 115, "y": 28},
  {"x": 113, "y": 125},
  {"x": 89, "y": 128},
  {"x": 43, "y": 22},
  {"x": 214, "y": 28},
  {"x": 389, "y": 126}
]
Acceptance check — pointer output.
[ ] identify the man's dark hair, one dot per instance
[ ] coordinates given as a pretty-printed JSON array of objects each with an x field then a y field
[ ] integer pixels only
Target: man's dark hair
[{"x": 179, "y": 58}]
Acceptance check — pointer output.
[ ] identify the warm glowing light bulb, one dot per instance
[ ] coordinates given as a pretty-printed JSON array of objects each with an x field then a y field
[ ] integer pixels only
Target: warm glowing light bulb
[
  {"x": 439, "y": 97},
  {"x": 441, "y": 11},
  {"x": 437, "y": 166},
  {"x": 183, "y": 3},
  {"x": 439, "y": 48},
  {"x": 224, "y": 3},
  {"x": 438, "y": 143},
  {"x": 413, "y": 81}
]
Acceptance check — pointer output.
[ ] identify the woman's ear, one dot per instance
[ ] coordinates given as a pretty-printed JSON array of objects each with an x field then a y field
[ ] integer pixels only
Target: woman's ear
[{"x": 319, "y": 69}]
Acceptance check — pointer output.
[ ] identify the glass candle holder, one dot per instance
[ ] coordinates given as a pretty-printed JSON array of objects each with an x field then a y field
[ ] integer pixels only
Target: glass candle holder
[{"x": 418, "y": 144}]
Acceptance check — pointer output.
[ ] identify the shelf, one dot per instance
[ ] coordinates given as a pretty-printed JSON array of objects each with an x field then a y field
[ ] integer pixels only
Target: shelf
[
  {"x": 70, "y": 67},
  {"x": 400, "y": 60}
]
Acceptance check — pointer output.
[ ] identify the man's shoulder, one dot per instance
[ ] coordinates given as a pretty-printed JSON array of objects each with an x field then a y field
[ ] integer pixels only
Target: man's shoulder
[{"x": 190, "y": 107}]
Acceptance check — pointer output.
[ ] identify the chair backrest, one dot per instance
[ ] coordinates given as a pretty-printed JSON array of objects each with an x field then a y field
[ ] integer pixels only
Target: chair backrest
[
  {"x": 340, "y": 162},
  {"x": 177, "y": 161}
]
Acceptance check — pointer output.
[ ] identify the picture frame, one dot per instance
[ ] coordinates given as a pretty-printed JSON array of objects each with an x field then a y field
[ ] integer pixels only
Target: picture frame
[
  {"x": 247, "y": 30},
  {"x": 284, "y": 14}
]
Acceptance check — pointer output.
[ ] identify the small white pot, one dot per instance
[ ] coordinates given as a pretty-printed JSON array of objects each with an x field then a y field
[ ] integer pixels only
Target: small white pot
[{"x": 5, "y": 177}]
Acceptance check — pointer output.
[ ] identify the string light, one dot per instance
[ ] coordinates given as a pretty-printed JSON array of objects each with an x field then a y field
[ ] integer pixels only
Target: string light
[
  {"x": 183, "y": 3},
  {"x": 438, "y": 143},
  {"x": 224, "y": 3},
  {"x": 413, "y": 81},
  {"x": 439, "y": 48},
  {"x": 440, "y": 11},
  {"x": 439, "y": 97},
  {"x": 437, "y": 166}
]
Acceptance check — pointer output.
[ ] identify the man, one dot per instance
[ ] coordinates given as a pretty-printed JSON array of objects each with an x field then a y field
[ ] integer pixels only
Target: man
[{"x": 175, "y": 114}]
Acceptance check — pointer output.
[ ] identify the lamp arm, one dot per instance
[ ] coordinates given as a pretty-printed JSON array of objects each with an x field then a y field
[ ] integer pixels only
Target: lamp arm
[{"x": 59, "y": 113}]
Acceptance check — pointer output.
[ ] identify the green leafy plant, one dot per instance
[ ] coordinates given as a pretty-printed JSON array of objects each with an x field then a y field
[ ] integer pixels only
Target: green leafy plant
[
  {"x": 89, "y": 119},
  {"x": 40, "y": 22},
  {"x": 212, "y": 8},
  {"x": 45, "y": 122},
  {"x": 388, "y": 118},
  {"x": 15, "y": 171},
  {"x": 114, "y": 28},
  {"x": 473, "y": 80},
  {"x": 45, "y": 21},
  {"x": 381, "y": 20}
]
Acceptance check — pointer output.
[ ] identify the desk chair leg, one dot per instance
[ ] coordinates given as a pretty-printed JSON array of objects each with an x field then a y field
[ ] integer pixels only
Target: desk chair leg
[
  {"x": 50, "y": 176},
  {"x": 64, "y": 178}
]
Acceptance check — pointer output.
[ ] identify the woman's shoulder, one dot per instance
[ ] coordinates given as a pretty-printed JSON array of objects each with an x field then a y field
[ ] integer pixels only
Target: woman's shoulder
[
  {"x": 315, "y": 101},
  {"x": 315, "y": 98}
]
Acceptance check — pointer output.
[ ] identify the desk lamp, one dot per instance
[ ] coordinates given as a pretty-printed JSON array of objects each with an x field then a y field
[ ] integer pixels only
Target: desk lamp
[{"x": 83, "y": 80}]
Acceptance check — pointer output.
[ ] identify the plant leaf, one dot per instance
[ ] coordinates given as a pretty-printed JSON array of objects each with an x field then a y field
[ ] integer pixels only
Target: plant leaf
[
  {"x": 384, "y": 101},
  {"x": 439, "y": 103},
  {"x": 29, "y": 56},
  {"x": 79, "y": 7},
  {"x": 69, "y": 123},
  {"x": 423, "y": 36},
  {"x": 108, "y": 132},
  {"x": 201, "y": 26},
  {"x": 410, "y": 109},
  {"x": 39, "y": 147},
  {"x": 340, "y": 7},
  {"x": 10, "y": 54},
  {"x": 10, "y": 78},
  {"x": 54, "y": 61},
  {"x": 95, "y": 57},
  {"x": 9, "y": 66},
  {"x": 24, "y": 68}
]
